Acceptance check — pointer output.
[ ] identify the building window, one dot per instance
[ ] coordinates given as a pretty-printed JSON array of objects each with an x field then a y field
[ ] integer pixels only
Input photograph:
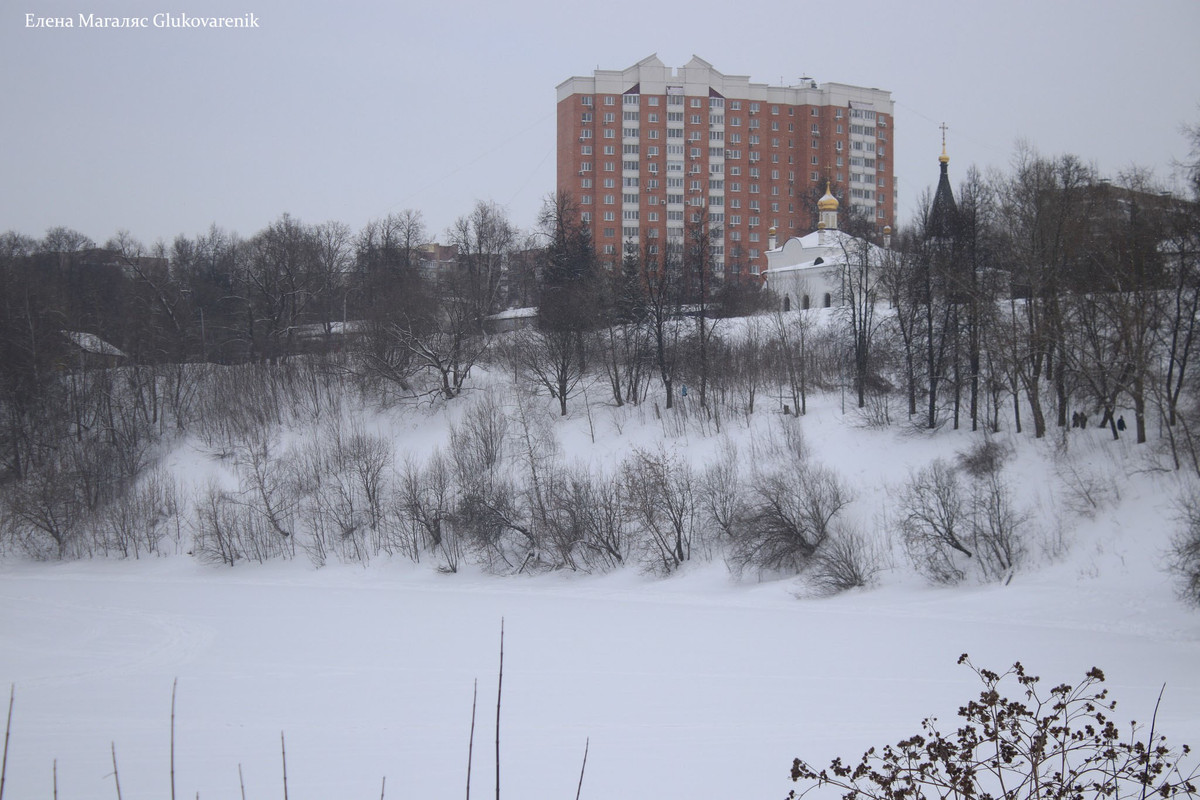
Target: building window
[
  {"x": 587, "y": 100},
  {"x": 630, "y": 99},
  {"x": 609, "y": 100},
  {"x": 697, "y": 102},
  {"x": 586, "y": 150}
]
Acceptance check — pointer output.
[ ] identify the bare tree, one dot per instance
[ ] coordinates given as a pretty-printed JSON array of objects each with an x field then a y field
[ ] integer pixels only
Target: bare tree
[{"x": 484, "y": 239}]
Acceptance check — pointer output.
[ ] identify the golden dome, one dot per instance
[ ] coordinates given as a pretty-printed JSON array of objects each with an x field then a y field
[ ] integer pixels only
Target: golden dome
[
  {"x": 828, "y": 202},
  {"x": 943, "y": 158}
]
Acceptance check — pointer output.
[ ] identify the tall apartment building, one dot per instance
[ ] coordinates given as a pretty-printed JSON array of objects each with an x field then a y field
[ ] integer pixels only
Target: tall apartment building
[{"x": 645, "y": 149}]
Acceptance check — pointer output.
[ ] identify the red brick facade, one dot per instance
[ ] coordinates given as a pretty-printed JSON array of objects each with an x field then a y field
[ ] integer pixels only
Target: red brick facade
[{"x": 640, "y": 165}]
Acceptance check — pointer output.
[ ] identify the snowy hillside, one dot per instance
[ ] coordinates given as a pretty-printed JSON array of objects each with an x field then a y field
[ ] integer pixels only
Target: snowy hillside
[{"x": 705, "y": 683}]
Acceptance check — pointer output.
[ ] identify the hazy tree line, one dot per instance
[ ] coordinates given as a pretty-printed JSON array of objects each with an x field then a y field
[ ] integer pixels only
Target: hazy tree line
[{"x": 1053, "y": 295}]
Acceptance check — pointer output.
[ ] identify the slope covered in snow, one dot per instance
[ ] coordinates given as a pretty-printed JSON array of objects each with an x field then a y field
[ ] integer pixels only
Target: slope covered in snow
[{"x": 703, "y": 684}]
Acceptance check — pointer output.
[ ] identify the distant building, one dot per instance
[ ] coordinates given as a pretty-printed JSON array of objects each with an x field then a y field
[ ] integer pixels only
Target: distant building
[
  {"x": 645, "y": 150},
  {"x": 87, "y": 350},
  {"x": 807, "y": 271},
  {"x": 437, "y": 259}
]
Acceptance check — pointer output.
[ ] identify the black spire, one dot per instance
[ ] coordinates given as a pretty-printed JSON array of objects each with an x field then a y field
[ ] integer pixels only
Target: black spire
[{"x": 943, "y": 216}]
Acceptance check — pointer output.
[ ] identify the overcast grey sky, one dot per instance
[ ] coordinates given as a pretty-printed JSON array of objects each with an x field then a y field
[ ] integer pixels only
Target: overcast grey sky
[{"x": 353, "y": 110}]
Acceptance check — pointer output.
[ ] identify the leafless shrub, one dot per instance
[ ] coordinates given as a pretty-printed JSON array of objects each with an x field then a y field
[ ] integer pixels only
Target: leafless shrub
[
  {"x": 660, "y": 496},
  {"x": 848, "y": 560},
  {"x": 424, "y": 500},
  {"x": 876, "y": 411},
  {"x": 932, "y": 518},
  {"x": 489, "y": 512},
  {"x": 267, "y": 488},
  {"x": 997, "y": 527},
  {"x": 48, "y": 512},
  {"x": 790, "y": 518},
  {"x": 584, "y": 527},
  {"x": 984, "y": 458},
  {"x": 949, "y": 532},
  {"x": 477, "y": 442},
  {"x": 313, "y": 387},
  {"x": 136, "y": 522},
  {"x": 343, "y": 480},
  {"x": 1087, "y": 493},
  {"x": 1183, "y": 558},
  {"x": 227, "y": 530},
  {"x": 722, "y": 495},
  {"x": 237, "y": 403}
]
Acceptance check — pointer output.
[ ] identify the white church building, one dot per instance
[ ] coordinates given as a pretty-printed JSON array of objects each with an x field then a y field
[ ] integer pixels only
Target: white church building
[{"x": 807, "y": 271}]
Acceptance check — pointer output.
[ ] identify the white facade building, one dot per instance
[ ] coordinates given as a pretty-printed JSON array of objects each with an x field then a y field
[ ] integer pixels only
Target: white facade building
[{"x": 809, "y": 271}]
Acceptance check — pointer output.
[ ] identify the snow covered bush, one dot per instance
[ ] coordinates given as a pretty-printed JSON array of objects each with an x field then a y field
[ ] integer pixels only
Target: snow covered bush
[{"x": 1056, "y": 745}]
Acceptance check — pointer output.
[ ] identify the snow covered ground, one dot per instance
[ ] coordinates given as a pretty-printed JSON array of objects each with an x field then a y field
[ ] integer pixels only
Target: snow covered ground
[{"x": 698, "y": 685}]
